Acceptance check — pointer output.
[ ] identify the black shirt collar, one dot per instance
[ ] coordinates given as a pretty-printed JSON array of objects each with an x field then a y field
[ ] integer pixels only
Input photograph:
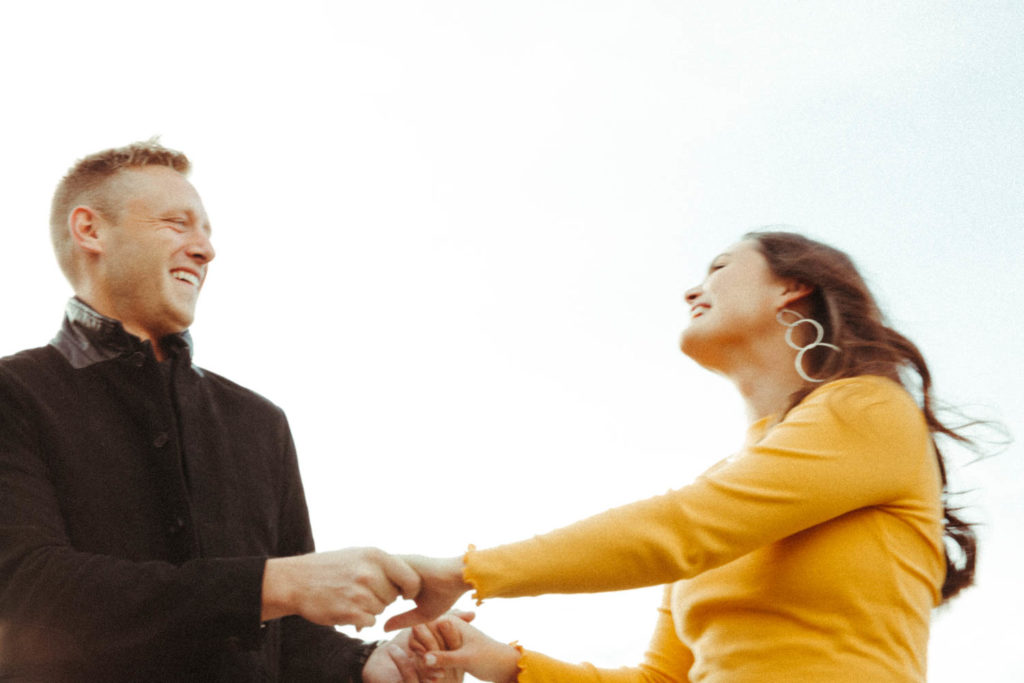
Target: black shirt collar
[{"x": 87, "y": 337}]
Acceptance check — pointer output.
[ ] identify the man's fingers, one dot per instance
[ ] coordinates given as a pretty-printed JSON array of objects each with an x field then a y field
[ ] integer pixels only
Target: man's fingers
[
  {"x": 377, "y": 584},
  {"x": 360, "y": 611},
  {"x": 402, "y": 576},
  {"x": 360, "y": 620},
  {"x": 371, "y": 603},
  {"x": 403, "y": 662}
]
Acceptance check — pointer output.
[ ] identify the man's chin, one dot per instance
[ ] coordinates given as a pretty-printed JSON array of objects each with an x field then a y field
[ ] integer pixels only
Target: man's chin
[{"x": 178, "y": 324}]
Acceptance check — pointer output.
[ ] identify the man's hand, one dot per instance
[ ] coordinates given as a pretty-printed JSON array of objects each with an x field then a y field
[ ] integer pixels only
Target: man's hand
[
  {"x": 348, "y": 586},
  {"x": 391, "y": 663},
  {"x": 441, "y": 584},
  {"x": 395, "y": 661}
]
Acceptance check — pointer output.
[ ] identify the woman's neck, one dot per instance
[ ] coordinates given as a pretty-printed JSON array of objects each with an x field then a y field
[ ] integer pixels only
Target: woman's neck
[{"x": 767, "y": 386}]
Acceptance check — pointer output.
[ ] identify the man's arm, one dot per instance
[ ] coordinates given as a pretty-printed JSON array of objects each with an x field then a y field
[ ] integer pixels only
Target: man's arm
[
  {"x": 111, "y": 609},
  {"x": 349, "y": 586}
]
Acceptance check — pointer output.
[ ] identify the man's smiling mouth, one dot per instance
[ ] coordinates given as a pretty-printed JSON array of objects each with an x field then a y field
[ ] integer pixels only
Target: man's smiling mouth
[{"x": 186, "y": 276}]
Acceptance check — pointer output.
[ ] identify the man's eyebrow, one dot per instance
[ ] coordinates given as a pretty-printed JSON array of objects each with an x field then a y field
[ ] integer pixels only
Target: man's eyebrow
[{"x": 192, "y": 216}]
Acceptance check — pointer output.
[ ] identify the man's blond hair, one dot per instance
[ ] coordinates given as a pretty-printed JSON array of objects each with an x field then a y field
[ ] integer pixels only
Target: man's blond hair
[{"x": 88, "y": 183}]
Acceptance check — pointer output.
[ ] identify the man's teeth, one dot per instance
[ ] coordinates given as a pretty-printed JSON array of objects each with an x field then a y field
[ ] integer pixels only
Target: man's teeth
[{"x": 186, "y": 276}]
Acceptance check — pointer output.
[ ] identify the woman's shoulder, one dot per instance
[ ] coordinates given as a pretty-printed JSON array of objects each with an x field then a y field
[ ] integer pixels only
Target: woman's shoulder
[
  {"x": 872, "y": 401},
  {"x": 864, "y": 390}
]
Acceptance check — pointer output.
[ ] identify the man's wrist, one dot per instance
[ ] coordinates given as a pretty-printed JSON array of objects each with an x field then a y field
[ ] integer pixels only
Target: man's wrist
[
  {"x": 274, "y": 595},
  {"x": 363, "y": 655}
]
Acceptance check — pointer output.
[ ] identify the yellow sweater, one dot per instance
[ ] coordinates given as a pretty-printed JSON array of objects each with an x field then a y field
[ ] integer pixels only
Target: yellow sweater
[{"x": 814, "y": 554}]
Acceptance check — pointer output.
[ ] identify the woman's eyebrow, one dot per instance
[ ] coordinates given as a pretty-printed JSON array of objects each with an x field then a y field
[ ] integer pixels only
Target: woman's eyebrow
[{"x": 715, "y": 260}]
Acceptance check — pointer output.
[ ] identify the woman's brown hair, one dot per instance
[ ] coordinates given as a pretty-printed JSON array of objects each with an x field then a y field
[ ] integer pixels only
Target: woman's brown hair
[{"x": 842, "y": 303}]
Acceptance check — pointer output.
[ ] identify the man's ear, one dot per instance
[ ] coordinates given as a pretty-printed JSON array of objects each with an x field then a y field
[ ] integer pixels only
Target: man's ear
[{"x": 84, "y": 223}]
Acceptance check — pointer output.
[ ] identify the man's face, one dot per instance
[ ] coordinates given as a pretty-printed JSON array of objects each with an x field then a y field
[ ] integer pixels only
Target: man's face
[{"x": 156, "y": 252}]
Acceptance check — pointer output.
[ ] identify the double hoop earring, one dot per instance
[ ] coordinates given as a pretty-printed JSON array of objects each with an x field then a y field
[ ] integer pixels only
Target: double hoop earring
[{"x": 802, "y": 350}]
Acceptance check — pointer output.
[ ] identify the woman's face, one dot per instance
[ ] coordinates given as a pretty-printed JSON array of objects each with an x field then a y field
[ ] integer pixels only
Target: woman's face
[{"x": 734, "y": 308}]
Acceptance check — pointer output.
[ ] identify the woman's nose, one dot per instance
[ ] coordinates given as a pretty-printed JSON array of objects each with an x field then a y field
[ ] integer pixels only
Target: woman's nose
[{"x": 691, "y": 294}]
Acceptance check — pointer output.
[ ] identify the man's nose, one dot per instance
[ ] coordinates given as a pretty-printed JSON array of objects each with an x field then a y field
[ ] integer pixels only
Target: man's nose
[{"x": 201, "y": 249}]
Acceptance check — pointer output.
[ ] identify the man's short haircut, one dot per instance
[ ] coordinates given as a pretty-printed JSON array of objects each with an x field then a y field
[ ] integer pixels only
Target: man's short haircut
[{"x": 88, "y": 182}]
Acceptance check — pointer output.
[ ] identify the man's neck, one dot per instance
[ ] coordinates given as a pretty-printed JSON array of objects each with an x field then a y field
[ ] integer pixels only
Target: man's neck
[{"x": 97, "y": 304}]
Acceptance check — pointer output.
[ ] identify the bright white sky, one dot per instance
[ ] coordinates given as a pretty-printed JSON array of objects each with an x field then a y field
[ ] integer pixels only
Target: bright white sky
[{"x": 453, "y": 239}]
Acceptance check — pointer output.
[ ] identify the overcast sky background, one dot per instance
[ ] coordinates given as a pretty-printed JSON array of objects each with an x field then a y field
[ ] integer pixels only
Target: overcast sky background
[{"x": 453, "y": 239}]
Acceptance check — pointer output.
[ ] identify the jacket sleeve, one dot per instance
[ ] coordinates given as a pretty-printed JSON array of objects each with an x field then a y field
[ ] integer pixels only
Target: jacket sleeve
[
  {"x": 851, "y": 444},
  {"x": 667, "y": 660},
  {"x": 68, "y": 604},
  {"x": 61, "y": 608}
]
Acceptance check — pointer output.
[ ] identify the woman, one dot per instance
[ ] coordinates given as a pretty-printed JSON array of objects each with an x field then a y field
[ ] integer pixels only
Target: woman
[{"x": 816, "y": 553}]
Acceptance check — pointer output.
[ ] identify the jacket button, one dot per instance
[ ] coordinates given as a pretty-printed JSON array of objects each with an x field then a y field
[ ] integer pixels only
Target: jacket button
[
  {"x": 175, "y": 527},
  {"x": 161, "y": 440}
]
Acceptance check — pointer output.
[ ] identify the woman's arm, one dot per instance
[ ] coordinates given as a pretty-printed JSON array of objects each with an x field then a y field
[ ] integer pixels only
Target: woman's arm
[
  {"x": 667, "y": 659},
  {"x": 851, "y": 444}
]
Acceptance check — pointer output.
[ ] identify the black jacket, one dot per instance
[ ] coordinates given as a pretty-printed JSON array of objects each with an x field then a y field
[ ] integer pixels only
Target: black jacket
[{"x": 138, "y": 503}]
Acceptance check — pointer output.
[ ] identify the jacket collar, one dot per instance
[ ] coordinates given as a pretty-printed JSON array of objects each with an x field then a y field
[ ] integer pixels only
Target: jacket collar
[{"x": 87, "y": 337}]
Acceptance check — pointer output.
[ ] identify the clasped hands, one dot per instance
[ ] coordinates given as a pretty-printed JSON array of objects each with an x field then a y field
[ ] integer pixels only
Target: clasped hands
[
  {"x": 445, "y": 644},
  {"x": 353, "y": 586}
]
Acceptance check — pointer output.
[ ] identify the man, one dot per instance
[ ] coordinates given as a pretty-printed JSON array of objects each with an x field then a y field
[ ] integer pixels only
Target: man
[{"x": 153, "y": 524}]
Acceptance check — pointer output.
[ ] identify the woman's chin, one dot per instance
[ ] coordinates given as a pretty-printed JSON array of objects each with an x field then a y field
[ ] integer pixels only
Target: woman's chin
[
  {"x": 701, "y": 348},
  {"x": 692, "y": 344}
]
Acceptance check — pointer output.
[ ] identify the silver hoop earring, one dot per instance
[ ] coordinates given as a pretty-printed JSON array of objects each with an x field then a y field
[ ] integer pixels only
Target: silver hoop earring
[{"x": 801, "y": 350}]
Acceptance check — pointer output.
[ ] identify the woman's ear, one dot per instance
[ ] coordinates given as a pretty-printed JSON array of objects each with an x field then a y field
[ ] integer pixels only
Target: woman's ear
[
  {"x": 794, "y": 292},
  {"x": 83, "y": 222}
]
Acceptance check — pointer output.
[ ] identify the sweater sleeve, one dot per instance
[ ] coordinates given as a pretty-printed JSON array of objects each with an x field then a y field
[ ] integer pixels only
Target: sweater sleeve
[
  {"x": 850, "y": 444},
  {"x": 667, "y": 660}
]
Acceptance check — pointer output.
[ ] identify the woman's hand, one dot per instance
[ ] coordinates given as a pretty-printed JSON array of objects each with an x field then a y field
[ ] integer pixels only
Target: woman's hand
[
  {"x": 441, "y": 584},
  {"x": 397, "y": 662},
  {"x": 477, "y": 653}
]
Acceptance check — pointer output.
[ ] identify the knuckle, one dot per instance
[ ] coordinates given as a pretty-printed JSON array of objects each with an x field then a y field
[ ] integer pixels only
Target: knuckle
[
  {"x": 373, "y": 554},
  {"x": 362, "y": 577},
  {"x": 360, "y": 619}
]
